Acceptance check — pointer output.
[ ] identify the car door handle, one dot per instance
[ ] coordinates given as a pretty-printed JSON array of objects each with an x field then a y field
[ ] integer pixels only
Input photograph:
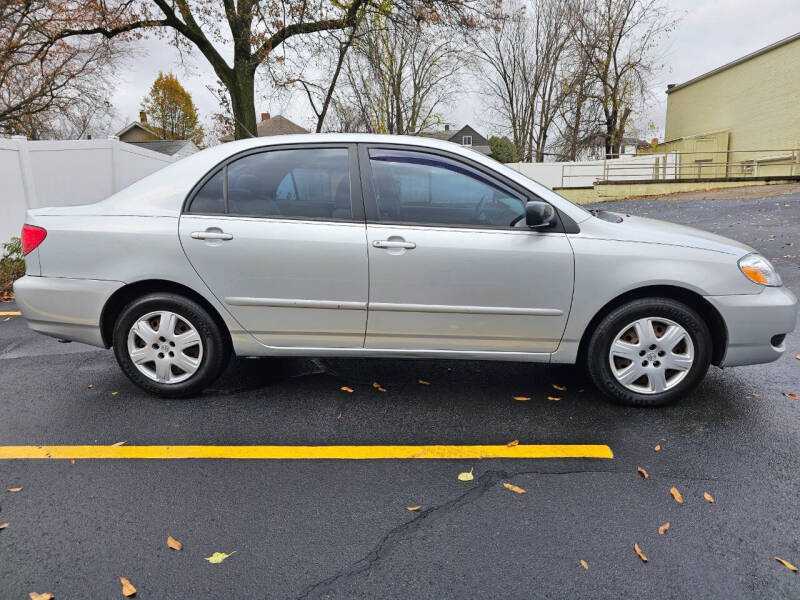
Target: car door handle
[
  {"x": 394, "y": 244},
  {"x": 211, "y": 235}
]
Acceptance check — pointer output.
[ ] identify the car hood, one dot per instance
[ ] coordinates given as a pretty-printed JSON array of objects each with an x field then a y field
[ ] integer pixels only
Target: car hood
[{"x": 653, "y": 231}]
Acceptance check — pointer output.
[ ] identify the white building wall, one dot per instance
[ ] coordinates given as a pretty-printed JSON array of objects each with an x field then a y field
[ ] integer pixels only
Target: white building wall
[{"x": 63, "y": 173}]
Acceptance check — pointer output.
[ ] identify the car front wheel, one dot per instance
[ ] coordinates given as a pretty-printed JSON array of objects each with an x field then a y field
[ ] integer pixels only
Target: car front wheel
[
  {"x": 169, "y": 345},
  {"x": 649, "y": 352}
]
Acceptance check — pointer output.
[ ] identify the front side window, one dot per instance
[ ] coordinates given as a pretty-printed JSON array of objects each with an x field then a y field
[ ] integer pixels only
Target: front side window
[
  {"x": 421, "y": 188},
  {"x": 312, "y": 183}
]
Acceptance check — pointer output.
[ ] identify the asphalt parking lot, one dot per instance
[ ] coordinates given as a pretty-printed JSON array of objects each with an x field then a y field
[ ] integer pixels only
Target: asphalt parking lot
[{"x": 341, "y": 529}]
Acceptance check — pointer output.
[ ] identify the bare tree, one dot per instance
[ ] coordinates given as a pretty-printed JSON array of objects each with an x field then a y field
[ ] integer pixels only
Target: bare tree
[
  {"x": 49, "y": 89},
  {"x": 618, "y": 40},
  {"x": 399, "y": 74},
  {"x": 520, "y": 55}
]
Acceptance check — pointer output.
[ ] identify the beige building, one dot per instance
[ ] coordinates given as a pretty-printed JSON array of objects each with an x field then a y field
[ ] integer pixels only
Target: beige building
[{"x": 751, "y": 104}]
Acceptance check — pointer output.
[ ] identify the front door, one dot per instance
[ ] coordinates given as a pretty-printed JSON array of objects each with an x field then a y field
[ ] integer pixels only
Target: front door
[
  {"x": 278, "y": 237},
  {"x": 452, "y": 265}
]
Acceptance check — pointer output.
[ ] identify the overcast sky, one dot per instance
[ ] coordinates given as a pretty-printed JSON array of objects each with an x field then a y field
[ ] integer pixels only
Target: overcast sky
[{"x": 709, "y": 34}]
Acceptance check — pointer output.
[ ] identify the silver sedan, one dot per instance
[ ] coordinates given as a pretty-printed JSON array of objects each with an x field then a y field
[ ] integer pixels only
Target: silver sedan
[{"x": 387, "y": 246}]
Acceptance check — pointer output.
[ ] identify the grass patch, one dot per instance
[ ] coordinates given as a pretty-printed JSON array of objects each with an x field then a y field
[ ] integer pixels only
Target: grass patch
[{"x": 12, "y": 266}]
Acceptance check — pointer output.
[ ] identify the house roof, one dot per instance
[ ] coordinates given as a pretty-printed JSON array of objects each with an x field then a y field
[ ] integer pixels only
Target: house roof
[
  {"x": 127, "y": 128},
  {"x": 733, "y": 63},
  {"x": 169, "y": 147},
  {"x": 277, "y": 125}
]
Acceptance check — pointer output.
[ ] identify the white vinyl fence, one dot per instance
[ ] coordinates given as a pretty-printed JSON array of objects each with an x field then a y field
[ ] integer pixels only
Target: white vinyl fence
[
  {"x": 585, "y": 173},
  {"x": 36, "y": 174}
]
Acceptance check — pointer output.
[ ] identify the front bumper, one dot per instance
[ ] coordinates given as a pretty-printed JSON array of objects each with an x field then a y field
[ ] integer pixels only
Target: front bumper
[
  {"x": 752, "y": 321},
  {"x": 68, "y": 309}
]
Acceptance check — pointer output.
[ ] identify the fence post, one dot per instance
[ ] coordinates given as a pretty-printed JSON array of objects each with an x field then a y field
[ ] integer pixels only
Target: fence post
[
  {"x": 26, "y": 170},
  {"x": 114, "y": 162}
]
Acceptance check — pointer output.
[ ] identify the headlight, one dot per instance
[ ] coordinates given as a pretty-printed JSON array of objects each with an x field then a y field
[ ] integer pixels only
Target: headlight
[{"x": 759, "y": 270}]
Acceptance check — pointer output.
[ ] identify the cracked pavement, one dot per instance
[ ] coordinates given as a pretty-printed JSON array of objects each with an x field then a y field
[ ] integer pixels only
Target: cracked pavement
[{"x": 340, "y": 529}]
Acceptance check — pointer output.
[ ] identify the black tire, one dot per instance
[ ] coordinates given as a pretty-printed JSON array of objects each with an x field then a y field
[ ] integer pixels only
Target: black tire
[
  {"x": 599, "y": 347},
  {"x": 215, "y": 347}
]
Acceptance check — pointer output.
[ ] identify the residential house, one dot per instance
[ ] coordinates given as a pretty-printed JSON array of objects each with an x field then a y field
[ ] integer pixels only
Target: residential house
[
  {"x": 269, "y": 126},
  {"x": 740, "y": 119},
  {"x": 140, "y": 133},
  {"x": 466, "y": 136}
]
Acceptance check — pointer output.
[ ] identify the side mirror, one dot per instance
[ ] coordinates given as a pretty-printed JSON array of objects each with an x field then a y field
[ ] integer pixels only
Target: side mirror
[{"x": 539, "y": 214}]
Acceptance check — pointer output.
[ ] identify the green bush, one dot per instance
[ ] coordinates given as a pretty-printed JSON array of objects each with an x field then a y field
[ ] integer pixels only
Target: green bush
[{"x": 12, "y": 265}]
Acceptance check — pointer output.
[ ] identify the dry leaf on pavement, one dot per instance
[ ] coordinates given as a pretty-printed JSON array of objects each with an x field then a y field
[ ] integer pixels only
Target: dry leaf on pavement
[
  {"x": 642, "y": 472},
  {"x": 3, "y": 526},
  {"x": 376, "y": 385},
  {"x": 423, "y": 382},
  {"x": 584, "y": 564},
  {"x": 560, "y": 388},
  {"x": 708, "y": 497},
  {"x": 114, "y": 393},
  {"x": 173, "y": 543},
  {"x": 676, "y": 494},
  {"x": 553, "y": 398},
  {"x": 413, "y": 508},
  {"x": 792, "y": 396},
  {"x": 639, "y": 552},
  {"x": 797, "y": 357},
  {"x": 90, "y": 386},
  {"x": 786, "y": 564},
  {"x": 344, "y": 388},
  {"x": 37, "y": 596},
  {"x": 381, "y": 389},
  {"x": 755, "y": 395},
  {"x": 466, "y": 476},
  {"x": 513, "y": 443},
  {"x": 127, "y": 587},
  {"x": 218, "y": 557},
  {"x": 663, "y": 528},
  {"x": 119, "y": 443},
  {"x": 14, "y": 490},
  {"x": 522, "y": 398},
  {"x": 513, "y": 488},
  {"x": 339, "y": 416},
  {"x": 657, "y": 448}
]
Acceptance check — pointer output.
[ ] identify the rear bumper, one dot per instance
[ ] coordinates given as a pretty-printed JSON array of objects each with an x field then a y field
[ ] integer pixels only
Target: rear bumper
[
  {"x": 65, "y": 308},
  {"x": 753, "y": 321}
]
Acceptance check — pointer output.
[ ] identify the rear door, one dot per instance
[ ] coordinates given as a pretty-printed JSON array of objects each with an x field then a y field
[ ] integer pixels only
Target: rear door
[
  {"x": 452, "y": 264},
  {"x": 278, "y": 236}
]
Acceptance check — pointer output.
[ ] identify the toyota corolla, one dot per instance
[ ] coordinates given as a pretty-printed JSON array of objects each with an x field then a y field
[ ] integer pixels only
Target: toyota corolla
[{"x": 387, "y": 246}]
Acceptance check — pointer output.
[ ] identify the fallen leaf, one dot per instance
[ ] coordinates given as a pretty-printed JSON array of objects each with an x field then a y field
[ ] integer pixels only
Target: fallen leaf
[
  {"x": 755, "y": 395},
  {"x": 466, "y": 476},
  {"x": 114, "y": 394},
  {"x": 513, "y": 443},
  {"x": 657, "y": 448},
  {"x": 513, "y": 488},
  {"x": 381, "y": 389},
  {"x": 797, "y": 357},
  {"x": 173, "y": 543},
  {"x": 553, "y": 398},
  {"x": 522, "y": 398},
  {"x": 344, "y": 388},
  {"x": 90, "y": 386},
  {"x": 792, "y": 396},
  {"x": 580, "y": 391},
  {"x": 376, "y": 385},
  {"x": 584, "y": 564},
  {"x": 119, "y": 443},
  {"x": 72, "y": 461},
  {"x": 786, "y": 564},
  {"x": 560, "y": 388},
  {"x": 642, "y": 472},
  {"x": 37, "y": 596},
  {"x": 708, "y": 497},
  {"x": 3, "y": 526},
  {"x": 17, "y": 489},
  {"x": 419, "y": 454},
  {"x": 218, "y": 557},
  {"x": 127, "y": 587},
  {"x": 423, "y": 382},
  {"x": 413, "y": 508},
  {"x": 663, "y": 528},
  {"x": 339, "y": 416},
  {"x": 676, "y": 494},
  {"x": 639, "y": 552}
]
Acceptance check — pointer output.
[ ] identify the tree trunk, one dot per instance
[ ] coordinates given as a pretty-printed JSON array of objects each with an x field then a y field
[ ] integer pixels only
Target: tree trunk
[{"x": 242, "y": 91}]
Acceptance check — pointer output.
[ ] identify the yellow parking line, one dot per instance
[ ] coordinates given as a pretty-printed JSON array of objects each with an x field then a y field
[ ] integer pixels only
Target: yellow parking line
[
  {"x": 10, "y": 313},
  {"x": 307, "y": 452}
]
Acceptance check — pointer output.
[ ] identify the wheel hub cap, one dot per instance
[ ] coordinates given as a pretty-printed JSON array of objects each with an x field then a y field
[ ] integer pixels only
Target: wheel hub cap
[
  {"x": 651, "y": 355},
  {"x": 165, "y": 347}
]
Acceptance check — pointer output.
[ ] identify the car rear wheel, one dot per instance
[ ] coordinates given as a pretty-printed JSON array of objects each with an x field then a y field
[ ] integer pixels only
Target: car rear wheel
[
  {"x": 169, "y": 345},
  {"x": 649, "y": 352}
]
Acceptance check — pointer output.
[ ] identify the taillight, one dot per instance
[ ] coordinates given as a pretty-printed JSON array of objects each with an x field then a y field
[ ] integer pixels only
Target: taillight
[{"x": 32, "y": 236}]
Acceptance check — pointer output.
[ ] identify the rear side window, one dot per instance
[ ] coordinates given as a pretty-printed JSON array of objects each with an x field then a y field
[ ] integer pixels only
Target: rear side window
[
  {"x": 428, "y": 189},
  {"x": 210, "y": 199},
  {"x": 309, "y": 183}
]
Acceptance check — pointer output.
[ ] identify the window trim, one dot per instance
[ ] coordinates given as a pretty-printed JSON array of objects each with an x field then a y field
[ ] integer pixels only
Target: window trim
[
  {"x": 563, "y": 223},
  {"x": 464, "y": 137},
  {"x": 357, "y": 211}
]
